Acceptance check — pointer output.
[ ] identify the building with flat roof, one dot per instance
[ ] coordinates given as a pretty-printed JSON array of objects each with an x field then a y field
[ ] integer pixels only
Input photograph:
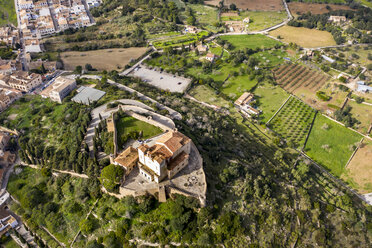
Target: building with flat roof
[
  {"x": 59, "y": 89},
  {"x": 87, "y": 95}
]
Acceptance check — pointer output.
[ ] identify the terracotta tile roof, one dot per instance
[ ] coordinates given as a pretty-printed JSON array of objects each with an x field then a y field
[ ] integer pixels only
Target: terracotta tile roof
[
  {"x": 127, "y": 158},
  {"x": 177, "y": 160},
  {"x": 173, "y": 140}
]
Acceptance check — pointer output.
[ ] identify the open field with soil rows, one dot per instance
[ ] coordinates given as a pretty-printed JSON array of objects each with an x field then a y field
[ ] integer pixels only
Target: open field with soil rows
[{"x": 293, "y": 76}]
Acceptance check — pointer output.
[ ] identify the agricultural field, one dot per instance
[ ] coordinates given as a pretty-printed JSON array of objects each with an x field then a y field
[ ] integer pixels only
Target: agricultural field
[
  {"x": 234, "y": 87},
  {"x": 269, "y": 99},
  {"x": 105, "y": 59},
  {"x": 297, "y": 8},
  {"x": 356, "y": 54},
  {"x": 250, "y": 41},
  {"x": 294, "y": 76},
  {"x": 179, "y": 40},
  {"x": 331, "y": 90},
  {"x": 260, "y": 20},
  {"x": 206, "y": 16},
  {"x": 331, "y": 144},
  {"x": 363, "y": 113},
  {"x": 359, "y": 171},
  {"x": 268, "y": 5},
  {"x": 7, "y": 13},
  {"x": 293, "y": 122},
  {"x": 128, "y": 126},
  {"x": 304, "y": 37},
  {"x": 270, "y": 58}
]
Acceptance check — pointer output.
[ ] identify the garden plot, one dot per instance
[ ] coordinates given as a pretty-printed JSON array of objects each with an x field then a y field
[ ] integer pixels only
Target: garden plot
[
  {"x": 161, "y": 80},
  {"x": 293, "y": 121},
  {"x": 294, "y": 76}
]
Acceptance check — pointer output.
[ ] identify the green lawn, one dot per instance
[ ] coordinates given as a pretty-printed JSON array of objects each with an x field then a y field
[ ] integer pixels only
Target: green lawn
[
  {"x": 235, "y": 86},
  {"x": 250, "y": 41},
  {"x": 206, "y": 94},
  {"x": 127, "y": 125},
  {"x": 330, "y": 144},
  {"x": 269, "y": 99},
  {"x": 7, "y": 12}
]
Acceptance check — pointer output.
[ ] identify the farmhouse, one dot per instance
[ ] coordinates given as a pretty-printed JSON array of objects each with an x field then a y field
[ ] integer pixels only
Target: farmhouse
[
  {"x": 244, "y": 104},
  {"x": 191, "y": 29},
  {"x": 202, "y": 48},
  {"x": 210, "y": 57},
  {"x": 337, "y": 19},
  {"x": 59, "y": 89}
]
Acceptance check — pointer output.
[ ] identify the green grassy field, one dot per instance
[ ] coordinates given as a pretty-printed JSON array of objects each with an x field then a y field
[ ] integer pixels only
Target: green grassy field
[
  {"x": 270, "y": 58},
  {"x": 260, "y": 20},
  {"x": 206, "y": 16},
  {"x": 269, "y": 99},
  {"x": 250, "y": 41},
  {"x": 235, "y": 86},
  {"x": 127, "y": 125},
  {"x": 330, "y": 144},
  {"x": 206, "y": 94},
  {"x": 366, "y": 2},
  {"x": 7, "y": 13},
  {"x": 363, "y": 113},
  {"x": 293, "y": 121}
]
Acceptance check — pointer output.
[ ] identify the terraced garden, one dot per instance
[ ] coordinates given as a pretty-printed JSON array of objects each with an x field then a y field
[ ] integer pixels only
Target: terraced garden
[
  {"x": 293, "y": 122},
  {"x": 294, "y": 76}
]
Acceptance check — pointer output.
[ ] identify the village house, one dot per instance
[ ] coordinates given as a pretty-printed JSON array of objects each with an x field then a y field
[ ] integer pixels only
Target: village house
[
  {"x": 191, "y": 29},
  {"x": 24, "y": 81},
  {"x": 244, "y": 104},
  {"x": 93, "y": 3},
  {"x": 9, "y": 35},
  {"x": 202, "y": 48},
  {"x": 169, "y": 155},
  {"x": 363, "y": 88},
  {"x": 210, "y": 57},
  {"x": 26, "y": 4},
  {"x": 7, "y": 67},
  {"x": 337, "y": 19},
  {"x": 59, "y": 89},
  {"x": 6, "y": 157},
  {"x": 7, "y": 97},
  {"x": 7, "y": 222}
]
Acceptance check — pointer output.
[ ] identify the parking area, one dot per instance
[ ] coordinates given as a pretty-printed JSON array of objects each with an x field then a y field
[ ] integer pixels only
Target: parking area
[{"x": 161, "y": 80}]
